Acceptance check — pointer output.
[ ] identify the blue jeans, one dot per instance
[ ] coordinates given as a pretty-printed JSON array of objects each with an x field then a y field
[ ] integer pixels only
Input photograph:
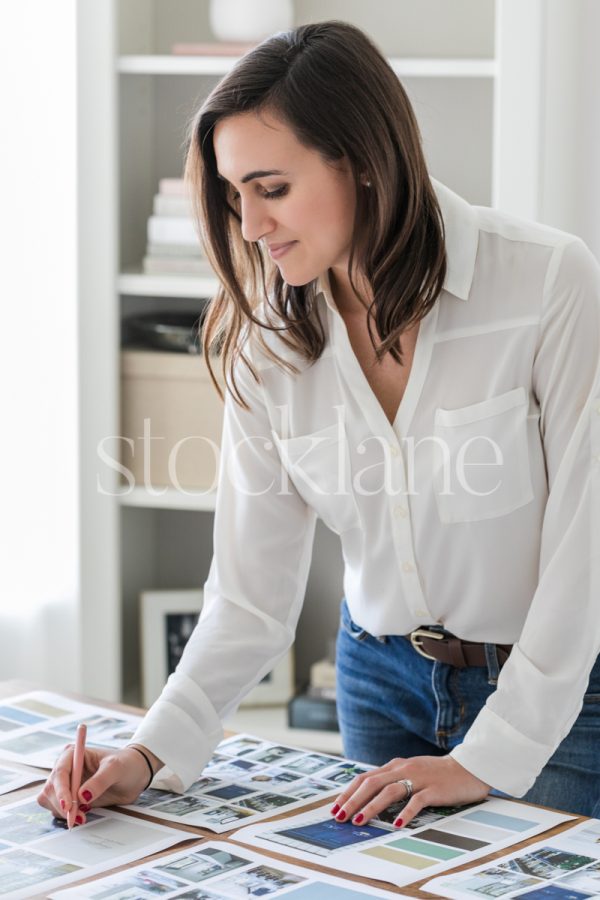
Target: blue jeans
[{"x": 393, "y": 702}]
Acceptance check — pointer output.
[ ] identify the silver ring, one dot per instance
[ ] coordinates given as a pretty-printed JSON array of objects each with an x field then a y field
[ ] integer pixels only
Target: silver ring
[{"x": 408, "y": 785}]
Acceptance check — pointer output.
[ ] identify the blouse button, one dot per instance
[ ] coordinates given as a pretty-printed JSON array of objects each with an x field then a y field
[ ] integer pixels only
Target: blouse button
[{"x": 407, "y": 567}]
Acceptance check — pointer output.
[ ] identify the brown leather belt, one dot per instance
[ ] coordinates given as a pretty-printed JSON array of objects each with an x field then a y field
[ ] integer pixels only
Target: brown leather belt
[{"x": 443, "y": 647}]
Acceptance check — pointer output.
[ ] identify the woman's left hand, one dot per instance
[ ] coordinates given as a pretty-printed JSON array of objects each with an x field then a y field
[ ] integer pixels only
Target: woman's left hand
[{"x": 437, "y": 781}]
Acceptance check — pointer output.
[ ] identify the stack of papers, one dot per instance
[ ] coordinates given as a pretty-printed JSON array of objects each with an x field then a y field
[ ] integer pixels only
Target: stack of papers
[
  {"x": 440, "y": 839},
  {"x": 247, "y": 780},
  {"x": 12, "y": 778},
  {"x": 217, "y": 871},
  {"x": 563, "y": 867},
  {"x": 37, "y": 853},
  {"x": 35, "y": 727}
]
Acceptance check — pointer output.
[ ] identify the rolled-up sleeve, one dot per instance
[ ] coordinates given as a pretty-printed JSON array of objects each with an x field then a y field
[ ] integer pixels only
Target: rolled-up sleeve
[
  {"x": 263, "y": 535},
  {"x": 541, "y": 688}
]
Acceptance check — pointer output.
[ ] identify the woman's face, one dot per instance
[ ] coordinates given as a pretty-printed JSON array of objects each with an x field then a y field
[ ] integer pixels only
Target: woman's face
[{"x": 309, "y": 203}]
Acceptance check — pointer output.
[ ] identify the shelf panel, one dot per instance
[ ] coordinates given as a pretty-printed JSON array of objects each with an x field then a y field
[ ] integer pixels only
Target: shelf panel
[
  {"x": 139, "y": 285},
  {"x": 444, "y": 68},
  {"x": 169, "y": 498},
  {"x": 220, "y": 65}
]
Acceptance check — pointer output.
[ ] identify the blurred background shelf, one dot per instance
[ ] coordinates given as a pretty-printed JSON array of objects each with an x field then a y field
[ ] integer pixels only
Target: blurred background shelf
[
  {"x": 137, "y": 284},
  {"x": 168, "y": 498}
]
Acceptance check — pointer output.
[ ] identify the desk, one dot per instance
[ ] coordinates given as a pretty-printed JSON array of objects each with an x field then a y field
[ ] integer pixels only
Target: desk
[{"x": 12, "y": 688}]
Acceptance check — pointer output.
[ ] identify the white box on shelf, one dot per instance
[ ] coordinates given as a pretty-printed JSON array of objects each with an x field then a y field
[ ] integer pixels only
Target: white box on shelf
[{"x": 171, "y": 420}]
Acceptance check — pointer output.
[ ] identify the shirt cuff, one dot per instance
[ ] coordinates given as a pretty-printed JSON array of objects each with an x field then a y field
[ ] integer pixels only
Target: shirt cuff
[
  {"x": 184, "y": 743},
  {"x": 501, "y": 756}
]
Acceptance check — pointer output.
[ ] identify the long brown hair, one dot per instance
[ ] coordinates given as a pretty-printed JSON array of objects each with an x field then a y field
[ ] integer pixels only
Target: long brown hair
[{"x": 333, "y": 88}]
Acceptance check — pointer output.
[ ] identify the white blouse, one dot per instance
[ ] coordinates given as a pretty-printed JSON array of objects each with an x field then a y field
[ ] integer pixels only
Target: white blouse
[{"x": 478, "y": 509}]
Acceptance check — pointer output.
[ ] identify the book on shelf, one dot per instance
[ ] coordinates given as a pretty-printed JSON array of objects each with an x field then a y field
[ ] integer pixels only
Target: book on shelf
[
  {"x": 172, "y": 230},
  {"x": 174, "y": 187},
  {"x": 212, "y": 48},
  {"x": 173, "y": 246},
  {"x": 322, "y": 674},
  {"x": 160, "y": 249},
  {"x": 321, "y": 693},
  {"x": 171, "y": 205}
]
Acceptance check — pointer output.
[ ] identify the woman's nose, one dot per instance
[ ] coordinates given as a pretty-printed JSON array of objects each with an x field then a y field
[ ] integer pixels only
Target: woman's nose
[{"x": 256, "y": 221}]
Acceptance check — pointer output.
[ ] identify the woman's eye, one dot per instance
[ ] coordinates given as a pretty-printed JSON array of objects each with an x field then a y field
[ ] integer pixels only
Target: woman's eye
[
  {"x": 268, "y": 195},
  {"x": 279, "y": 192}
]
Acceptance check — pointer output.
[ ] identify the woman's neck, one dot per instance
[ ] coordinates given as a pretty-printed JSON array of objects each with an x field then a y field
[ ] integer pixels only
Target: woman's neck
[{"x": 344, "y": 297}]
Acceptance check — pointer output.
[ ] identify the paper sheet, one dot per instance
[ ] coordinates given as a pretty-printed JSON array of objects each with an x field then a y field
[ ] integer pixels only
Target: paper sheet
[
  {"x": 35, "y": 727},
  {"x": 219, "y": 871},
  {"x": 563, "y": 867},
  {"x": 249, "y": 779},
  {"x": 37, "y": 852},
  {"x": 12, "y": 778},
  {"x": 438, "y": 840}
]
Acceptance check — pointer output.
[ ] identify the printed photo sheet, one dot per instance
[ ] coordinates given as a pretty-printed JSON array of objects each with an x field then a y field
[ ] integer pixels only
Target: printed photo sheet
[
  {"x": 563, "y": 867},
  {"x": 12, "y": 778},
  {"x": 249, "y": 779},
  {"x": 35, "y": 727},
  {"x": 219, "y": 871},
  {"x": 436, "y": 840},
  {"x": 38, "y": 853}
]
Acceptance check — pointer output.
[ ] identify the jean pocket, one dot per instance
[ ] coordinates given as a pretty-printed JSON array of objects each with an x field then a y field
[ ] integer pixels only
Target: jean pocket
[{"x": 350, "y": 627}]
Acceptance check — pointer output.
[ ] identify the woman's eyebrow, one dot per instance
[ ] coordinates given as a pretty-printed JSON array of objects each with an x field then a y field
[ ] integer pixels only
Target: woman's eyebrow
[{"x": 259, "y": 173}]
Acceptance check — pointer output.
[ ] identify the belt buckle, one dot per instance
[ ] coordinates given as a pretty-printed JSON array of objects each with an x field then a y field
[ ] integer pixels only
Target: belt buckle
[{"x": 420, "y": 633}]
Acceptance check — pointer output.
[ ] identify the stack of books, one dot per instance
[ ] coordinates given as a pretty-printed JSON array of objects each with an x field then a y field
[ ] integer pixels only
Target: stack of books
[{"x": 173, "y": 246}]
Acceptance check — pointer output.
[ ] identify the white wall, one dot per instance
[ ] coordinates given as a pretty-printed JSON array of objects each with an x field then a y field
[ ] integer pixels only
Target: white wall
[
  {"x": 38, "y": 362},
  {"x": 570, "y": 146}
]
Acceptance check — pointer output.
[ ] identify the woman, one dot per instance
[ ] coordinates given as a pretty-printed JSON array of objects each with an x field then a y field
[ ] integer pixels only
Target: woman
[{"x": 423, "y": 375}]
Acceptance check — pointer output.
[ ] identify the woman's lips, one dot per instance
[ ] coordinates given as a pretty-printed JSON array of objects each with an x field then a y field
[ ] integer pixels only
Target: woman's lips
[{"x": 280, "y": 249}]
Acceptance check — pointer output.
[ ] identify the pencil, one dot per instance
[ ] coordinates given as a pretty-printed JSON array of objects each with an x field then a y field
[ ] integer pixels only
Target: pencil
[{"x": 76, "y": 773}]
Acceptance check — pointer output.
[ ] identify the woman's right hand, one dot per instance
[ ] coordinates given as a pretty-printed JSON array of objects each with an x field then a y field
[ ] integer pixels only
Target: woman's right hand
[{"x": 109, "y": 777}]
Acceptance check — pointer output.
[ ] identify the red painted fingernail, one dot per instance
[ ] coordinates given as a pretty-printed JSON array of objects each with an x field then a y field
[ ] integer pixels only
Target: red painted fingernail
[
  {"x": 341, "y": 815},
  {"x": 84, "y": 807},
  {"x": 358, "y": 819},
  {"x": 398, "y": 823},
  {"x": 335, "y": 809},
  {"x": 87, "y": 795},
  {"x": 79, "y": 820},
  {"x": 63, "y": 805}
]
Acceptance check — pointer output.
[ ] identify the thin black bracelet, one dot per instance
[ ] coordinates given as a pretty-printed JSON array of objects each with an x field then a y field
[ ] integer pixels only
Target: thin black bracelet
[{"x": 133, "y": 747}]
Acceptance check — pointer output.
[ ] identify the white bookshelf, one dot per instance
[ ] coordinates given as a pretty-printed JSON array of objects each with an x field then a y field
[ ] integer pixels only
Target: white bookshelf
[
  {"x": 473, "y": 71},
  {"x": 220, "y": 65},
  {"x": 168, "y": 498},
  {"x": 137, "y": 284}
]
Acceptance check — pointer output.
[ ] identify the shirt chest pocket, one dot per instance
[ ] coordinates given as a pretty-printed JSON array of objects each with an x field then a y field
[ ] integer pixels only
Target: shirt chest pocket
[
  {"x": 481, "y": 459},
  {"x": 319, "y": 467}
]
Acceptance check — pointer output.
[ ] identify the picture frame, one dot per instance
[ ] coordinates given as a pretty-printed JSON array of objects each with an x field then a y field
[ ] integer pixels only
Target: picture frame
[{"x": 167, "y": 619}]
